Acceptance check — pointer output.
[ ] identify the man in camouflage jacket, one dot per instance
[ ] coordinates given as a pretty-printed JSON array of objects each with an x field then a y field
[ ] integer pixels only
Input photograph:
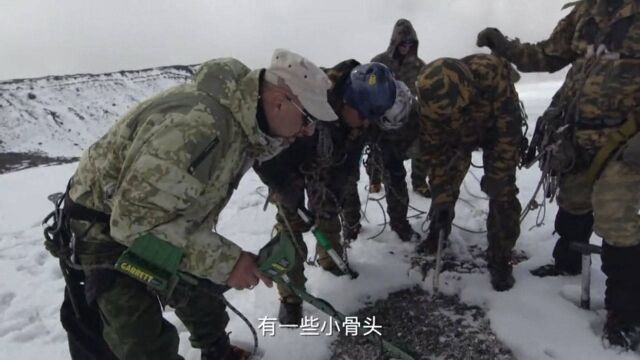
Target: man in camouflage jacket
[
  {"x": 167, "y": 168},
  {"x": 464, "y": 105},
  {"x": 402, "y": 59},
  {"x": 600, "y": 101}
]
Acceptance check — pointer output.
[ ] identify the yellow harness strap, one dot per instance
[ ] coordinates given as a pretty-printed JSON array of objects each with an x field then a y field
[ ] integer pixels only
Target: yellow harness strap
[{"x": 615, "y": 140}]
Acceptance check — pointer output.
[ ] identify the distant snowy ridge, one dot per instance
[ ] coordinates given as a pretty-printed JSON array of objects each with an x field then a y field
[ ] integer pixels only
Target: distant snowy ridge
[
  {"x": 60, "y": 116},
  {"x": 63, "y": 115}
]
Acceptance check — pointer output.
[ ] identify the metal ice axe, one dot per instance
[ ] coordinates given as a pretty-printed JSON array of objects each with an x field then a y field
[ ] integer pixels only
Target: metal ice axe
[{"x": 586, "y": 250}]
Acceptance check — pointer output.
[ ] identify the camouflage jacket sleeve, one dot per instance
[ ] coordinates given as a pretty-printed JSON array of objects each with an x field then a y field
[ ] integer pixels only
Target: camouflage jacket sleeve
[
  {"x": 441, "y": 156},
  {"x": 435, "y": 144},
  {"x": 442, "y": 149},
  {"x": 158, "y": 195},
  {"x": 549, "y": 55},
  {"x": 441, "y": 137}
]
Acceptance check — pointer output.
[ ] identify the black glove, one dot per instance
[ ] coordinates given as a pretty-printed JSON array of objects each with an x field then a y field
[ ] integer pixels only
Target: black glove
[
  {"x": 494, "y": 40},
  {"x": 290, "y": 201},
  {"x": 53, "y": 248}
]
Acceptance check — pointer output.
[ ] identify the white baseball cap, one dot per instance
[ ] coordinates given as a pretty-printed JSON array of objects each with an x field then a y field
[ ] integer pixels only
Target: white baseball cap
[{"x": 306, "y": 81}]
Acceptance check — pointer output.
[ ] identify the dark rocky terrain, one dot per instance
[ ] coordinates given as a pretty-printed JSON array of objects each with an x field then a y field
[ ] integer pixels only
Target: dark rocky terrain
[
  {"x": 427, "y": 327},
  {"x": 11, "y": 161}
]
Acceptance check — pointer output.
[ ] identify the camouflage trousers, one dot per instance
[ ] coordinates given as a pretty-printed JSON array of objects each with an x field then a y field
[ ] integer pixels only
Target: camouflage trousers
[
  {"x": 498, "y": 182},
  {"x": 131, "y": 314},
  {"x": 329, "y": 226}
]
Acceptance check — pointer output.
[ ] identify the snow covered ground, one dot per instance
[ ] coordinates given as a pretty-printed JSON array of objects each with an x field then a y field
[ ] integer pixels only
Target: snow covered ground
[
  {"x": 62, "y": 115},
  {"x": 537, "y": 319}
]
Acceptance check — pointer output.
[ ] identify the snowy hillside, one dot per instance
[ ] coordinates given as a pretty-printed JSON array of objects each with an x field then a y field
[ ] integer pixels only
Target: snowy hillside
[
  {"x": 62, "y": 115},
  {"x": 537, "y": 319}
]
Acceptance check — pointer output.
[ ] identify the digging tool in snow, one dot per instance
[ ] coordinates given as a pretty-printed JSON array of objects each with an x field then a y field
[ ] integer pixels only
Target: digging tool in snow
[
  {"x": 442, "y": 235},
  {"x": 586, "y": 250},
  {"x": 326, "y": 245}
]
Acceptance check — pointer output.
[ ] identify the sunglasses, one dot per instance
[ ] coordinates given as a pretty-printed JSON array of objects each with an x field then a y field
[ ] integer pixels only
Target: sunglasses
[{"x": 307, "y": 118}]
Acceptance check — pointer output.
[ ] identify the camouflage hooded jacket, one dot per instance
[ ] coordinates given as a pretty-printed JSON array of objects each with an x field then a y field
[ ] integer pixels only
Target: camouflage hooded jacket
[
  {"x": 465, "y": 104},
  {"x": 405, "y": 69},
  {"x": 601, "y": 39},
  {"x": 170, "y": 165}
]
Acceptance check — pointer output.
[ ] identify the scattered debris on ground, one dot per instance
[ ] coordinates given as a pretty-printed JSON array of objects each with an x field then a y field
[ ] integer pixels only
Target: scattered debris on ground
[{"x": 427, "y": 327}]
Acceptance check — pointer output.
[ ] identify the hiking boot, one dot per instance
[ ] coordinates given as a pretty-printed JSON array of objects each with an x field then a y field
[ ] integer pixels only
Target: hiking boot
[
  {"x": 422, "y": 190},
  {"x": 405, "y": 231},
  {"x": 290, "y": 312},
  {"x": 501, "y": 275},
  {"x": 375, "y": 188},
  {"x": 551, "y": 270},
  {"x": 618, "y": 332},
  {"x": 350, "y": 232}
]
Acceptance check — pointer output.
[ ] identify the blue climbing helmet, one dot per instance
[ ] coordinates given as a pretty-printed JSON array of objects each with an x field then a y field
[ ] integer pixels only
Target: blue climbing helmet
[{"x": 370, "y": 89}]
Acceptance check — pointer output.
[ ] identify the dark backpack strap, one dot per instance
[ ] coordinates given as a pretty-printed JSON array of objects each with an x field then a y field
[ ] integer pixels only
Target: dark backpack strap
[{"x": 78, "y": 212}]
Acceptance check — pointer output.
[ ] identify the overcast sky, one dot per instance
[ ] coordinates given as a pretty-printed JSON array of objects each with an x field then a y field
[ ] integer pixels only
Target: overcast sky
[{"x": 56, "y": 37}]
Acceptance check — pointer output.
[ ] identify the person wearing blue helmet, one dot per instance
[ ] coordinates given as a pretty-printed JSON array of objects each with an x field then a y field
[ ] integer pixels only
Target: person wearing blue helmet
[
  {"x": 370, "y": 89},
  {"x": 326, "y": 166},
  {"x": 389, "y": 102}
]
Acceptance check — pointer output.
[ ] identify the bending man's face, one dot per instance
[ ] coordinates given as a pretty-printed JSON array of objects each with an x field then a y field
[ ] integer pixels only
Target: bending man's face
[
  {"x": 290, "y": 120},
  {"x": 352, "y": 118}
]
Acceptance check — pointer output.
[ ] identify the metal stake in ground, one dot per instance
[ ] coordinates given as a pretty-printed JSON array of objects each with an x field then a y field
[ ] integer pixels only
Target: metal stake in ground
[
  {"x": 442, "y": 235},
  {"x": 586, "y": 250}
]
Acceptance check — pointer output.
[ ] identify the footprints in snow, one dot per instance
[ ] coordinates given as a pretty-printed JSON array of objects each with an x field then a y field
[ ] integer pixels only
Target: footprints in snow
[
  {"x": 5, "y": 301},
  {"x": 23, "y": 329}
]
